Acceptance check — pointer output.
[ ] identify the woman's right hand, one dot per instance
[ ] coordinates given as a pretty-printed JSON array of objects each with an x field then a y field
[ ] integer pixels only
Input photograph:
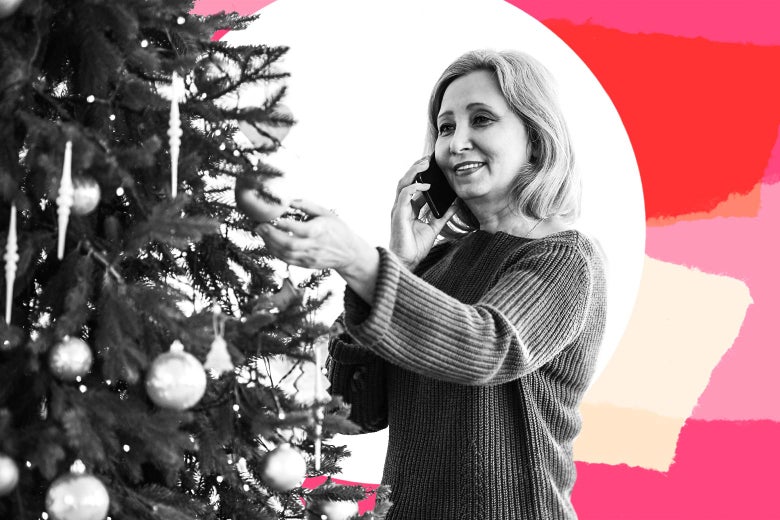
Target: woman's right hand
[{"x": 410, "y": 237}]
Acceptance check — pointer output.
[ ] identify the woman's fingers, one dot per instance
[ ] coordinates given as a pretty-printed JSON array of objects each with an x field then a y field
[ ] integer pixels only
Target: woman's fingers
[
  {"x": 281, "y": 243},
  {"x": 405, "y": 200},
  {"x": 310, "y": 207},
  {"x": 408, "y": 178},
  {"x": 301, "y": 229}
]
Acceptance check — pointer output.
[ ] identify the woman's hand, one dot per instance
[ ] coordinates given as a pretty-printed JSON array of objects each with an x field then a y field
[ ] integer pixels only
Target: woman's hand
[
  {"x": 411, "y": 238},
  {"x": 324, "y": 242}
]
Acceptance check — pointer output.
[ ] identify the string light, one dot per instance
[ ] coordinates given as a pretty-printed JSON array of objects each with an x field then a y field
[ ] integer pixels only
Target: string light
[
  {"x": 120, "y": 191},
  {"x": 112, "y": 117},
  {"x": 144, "y": 43},
  {"x": 126, "y": 448},
  {"x": 83, "y": 389},
  {"x": 180, "y": 20},
  {"x": 90, "y": 99}
]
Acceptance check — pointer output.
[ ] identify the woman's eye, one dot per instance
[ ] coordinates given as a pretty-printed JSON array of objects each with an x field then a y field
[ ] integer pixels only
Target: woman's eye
[
  {"x": 446, "y": 128},
  {"x": 482, "y": 120}
]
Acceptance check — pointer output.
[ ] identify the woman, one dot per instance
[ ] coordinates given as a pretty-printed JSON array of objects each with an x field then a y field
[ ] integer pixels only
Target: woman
[{"x": 475, "y": 351}]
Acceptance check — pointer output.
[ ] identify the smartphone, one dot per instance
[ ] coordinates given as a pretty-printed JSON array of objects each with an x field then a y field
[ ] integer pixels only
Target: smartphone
[{"x": 440, "y": 195}]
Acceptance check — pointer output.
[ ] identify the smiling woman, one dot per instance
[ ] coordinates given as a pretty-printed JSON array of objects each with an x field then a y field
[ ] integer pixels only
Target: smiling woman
[{"x": 475, "y": 352}]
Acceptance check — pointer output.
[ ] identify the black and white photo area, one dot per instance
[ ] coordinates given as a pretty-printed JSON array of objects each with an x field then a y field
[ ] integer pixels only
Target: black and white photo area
[{"x": 361, "y": 76}]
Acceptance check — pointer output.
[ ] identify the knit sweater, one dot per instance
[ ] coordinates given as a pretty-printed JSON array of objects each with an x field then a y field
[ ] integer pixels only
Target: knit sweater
[{"x": 477, "y": 362}]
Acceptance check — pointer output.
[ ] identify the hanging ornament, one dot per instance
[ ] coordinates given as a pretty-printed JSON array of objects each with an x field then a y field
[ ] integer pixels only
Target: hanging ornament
[
  {"x": 8, "y": 7},
  {"x": 64, "y": 200},
  {"x": 287, "y": 296},
  {"x": 319, "y": 413},
  {"x": 11, "y": 258},
  {"x": 284, "y": 468},
  {"x": 70, "y": 358},
  {"x": 77, "y": 496},
  {"x": 176, "y": 380},
  {"x": 257, "y": 207},
  {"x": 86, "y": 195},
  {"x": 174, "y": 129},
  {"x": 267, "y": 134},
  {"x": 9, "y": 474},
  {"x": 331, "y": 510},
  {"x": 218, "y": 360}
]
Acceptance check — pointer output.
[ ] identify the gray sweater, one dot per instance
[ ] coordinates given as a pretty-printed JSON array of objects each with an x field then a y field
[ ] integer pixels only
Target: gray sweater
[{"x": 477, "y": 362}]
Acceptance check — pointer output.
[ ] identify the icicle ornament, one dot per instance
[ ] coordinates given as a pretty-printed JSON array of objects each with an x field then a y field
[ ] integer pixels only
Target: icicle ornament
[
  {"x": 319, "y": 412},
  {"x": 174, "y": 129},
  {"x": 11, "y": 260},
  {"x": 64, "y": 200}
]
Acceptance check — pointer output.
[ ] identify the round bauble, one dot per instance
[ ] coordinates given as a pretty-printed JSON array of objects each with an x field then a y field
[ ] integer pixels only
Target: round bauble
[
  {"x": 9, "y": 7},
  {"x": 266, "y": 134},
  {"x": 9, "y": 474},
  {"x": 77, "y": 497},
  {"x": 70, "y": 358},
  {"x": 331, "y": 510},
  {"x": 284, "y": 468},
  {"x": 176, "y": 380},
  {"x": 86, "y": 195},
  {"x": 254, "y": 205}
]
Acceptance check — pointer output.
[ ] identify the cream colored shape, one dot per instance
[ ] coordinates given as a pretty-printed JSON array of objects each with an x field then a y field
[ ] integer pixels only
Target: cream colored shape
[{"x": 683, "y": 323}]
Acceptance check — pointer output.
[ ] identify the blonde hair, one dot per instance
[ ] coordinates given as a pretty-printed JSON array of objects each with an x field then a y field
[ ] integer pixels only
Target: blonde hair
[{"x": 549, "y": 185}]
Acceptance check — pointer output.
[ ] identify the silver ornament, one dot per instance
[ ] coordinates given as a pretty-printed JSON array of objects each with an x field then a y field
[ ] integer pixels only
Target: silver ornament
[
  {"x": 77, "y": 497},
  {"x": 70, "y": 358},
  {"x": 284, "y": 468},
  {"x": 9, "y": 474},
  {"x": 176, "y": 380},
  {"x": 86, "y": 195}
]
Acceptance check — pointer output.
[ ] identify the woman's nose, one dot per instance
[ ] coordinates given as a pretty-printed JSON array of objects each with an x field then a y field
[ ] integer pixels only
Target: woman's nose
[{"x": 461, "y": 140}]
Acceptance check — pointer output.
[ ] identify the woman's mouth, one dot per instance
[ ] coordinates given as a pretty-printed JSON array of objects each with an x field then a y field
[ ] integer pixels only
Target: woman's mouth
[{"x": 467, "y": 168}]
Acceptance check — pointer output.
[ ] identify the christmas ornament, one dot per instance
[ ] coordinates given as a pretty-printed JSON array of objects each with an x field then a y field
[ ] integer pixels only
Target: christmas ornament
[
  {"x": 255, "y": 206},
  {"x": 174, "y": 130},
  {"x": 331, "y": 510},
  {"x": 218, "y": 360},
  {"x": 9, "y": 474},
  {"x": 268, "y": 134},
  {"x": 8, "y": 7},
  {"x": 77, "y": 496},
  {"x": 86, "y": 195},
  {"x": 176, "y": 379},
  {"x": 11, "y": 258},
  {"x": 64, "y": 200},
  {"x": 70, "y": 358},
  {"x": 284, "y": 468},
  {"x": 297, "y": 379},
  {"x": 287, "y": 296}
]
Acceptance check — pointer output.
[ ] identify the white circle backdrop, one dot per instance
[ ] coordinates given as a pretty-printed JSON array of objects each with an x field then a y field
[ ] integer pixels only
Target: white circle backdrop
[{"x": 361, "y": 74}]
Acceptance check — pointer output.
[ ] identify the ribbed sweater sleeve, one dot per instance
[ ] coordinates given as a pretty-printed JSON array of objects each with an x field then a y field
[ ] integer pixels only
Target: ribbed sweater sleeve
[{"x": 533, "y": 310}]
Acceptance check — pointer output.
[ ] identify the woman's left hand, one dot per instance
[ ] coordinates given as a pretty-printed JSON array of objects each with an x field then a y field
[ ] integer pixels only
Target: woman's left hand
[{"x": 323, "y": 242}]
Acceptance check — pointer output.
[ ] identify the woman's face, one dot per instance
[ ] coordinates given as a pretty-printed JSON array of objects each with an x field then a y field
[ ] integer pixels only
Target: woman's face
[{"x": 482, "y": 144}]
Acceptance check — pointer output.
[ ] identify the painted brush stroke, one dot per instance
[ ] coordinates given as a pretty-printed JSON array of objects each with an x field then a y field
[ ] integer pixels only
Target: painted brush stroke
[
  {"x": 745, "y": 385},
  {"x": 683, "y": 322},
  {"x": 687, "y": 105}
]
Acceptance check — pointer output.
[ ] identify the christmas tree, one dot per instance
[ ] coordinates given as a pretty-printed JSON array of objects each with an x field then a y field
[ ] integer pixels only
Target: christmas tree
[{"x": 155, "y": 362}]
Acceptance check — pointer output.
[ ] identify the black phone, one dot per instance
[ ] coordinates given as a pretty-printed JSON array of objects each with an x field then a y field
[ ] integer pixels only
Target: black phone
[{"x": 440, "y": 195}]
